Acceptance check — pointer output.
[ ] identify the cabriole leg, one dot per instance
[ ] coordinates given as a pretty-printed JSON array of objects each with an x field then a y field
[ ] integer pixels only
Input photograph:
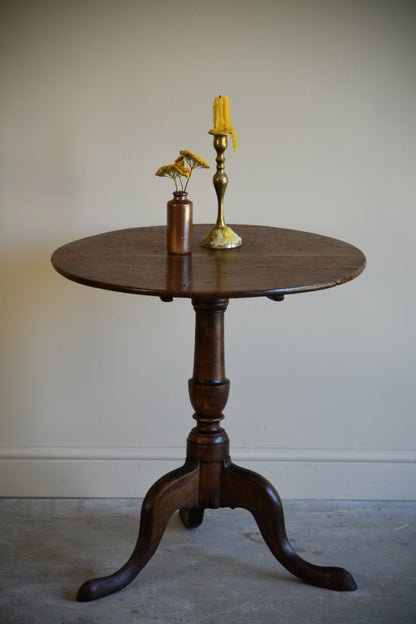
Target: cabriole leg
[
  {"x": 244, "y": 488},
  {"x": 177, "y": 489}
]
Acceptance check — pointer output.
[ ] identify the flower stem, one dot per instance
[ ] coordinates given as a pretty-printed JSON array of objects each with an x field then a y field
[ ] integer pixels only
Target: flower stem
[{"x": 187, "y": 181}]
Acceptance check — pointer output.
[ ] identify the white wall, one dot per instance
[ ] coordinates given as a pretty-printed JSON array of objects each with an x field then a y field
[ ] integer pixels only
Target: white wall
[{"x": 96, "y": 95}]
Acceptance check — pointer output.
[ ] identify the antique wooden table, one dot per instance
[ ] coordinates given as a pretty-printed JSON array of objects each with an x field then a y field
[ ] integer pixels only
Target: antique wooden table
[{"x": 272, "y": 262}]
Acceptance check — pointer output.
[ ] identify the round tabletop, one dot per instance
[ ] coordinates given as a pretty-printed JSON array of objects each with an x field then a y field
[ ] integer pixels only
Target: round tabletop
[{"x": 270, "y": 262}]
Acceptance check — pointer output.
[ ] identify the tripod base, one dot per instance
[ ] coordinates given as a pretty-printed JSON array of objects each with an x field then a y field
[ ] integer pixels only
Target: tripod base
[
  {"x": 238, "y": 487},
  {"x": 209, "y": 479}
]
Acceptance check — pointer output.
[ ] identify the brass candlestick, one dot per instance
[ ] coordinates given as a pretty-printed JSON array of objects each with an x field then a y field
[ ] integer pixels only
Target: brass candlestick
[{"x": 221, "y": 236}]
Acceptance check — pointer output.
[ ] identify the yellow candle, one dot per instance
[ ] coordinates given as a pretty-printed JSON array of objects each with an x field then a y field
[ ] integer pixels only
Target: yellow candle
[
  {"x": 226, "y": 111},
  {"x": 221, "y": 118},
  {"x": 216, "y": 110}
]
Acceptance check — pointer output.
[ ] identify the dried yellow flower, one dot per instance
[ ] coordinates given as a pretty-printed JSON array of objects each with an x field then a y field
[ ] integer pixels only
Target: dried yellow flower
[
  {"x": 173, "y": 171},
  {"x": 192, "y": 160},
  {"x": 182, "y": 168}
]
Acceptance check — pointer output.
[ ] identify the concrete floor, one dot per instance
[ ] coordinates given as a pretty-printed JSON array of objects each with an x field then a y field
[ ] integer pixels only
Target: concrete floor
[{"x": 219, "y": 572}]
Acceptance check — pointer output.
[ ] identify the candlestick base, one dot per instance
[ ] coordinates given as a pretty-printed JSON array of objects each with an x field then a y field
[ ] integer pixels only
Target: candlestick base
[{"x": 221, "y": 237}]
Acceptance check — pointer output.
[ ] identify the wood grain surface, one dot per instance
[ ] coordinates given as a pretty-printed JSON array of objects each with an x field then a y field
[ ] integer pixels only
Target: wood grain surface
[{"x": 271, "y": 261}]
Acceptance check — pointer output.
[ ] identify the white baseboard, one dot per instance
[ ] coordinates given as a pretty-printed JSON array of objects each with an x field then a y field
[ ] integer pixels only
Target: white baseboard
[{"x": 111, "y": 471}]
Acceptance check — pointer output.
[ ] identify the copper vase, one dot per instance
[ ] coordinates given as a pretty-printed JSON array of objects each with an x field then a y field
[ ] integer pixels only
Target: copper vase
[{"x": 179, "y": 220}]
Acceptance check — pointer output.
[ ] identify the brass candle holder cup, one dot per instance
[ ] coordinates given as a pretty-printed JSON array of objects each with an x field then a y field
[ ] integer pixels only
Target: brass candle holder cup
[{"x": 221, "y": 236}]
